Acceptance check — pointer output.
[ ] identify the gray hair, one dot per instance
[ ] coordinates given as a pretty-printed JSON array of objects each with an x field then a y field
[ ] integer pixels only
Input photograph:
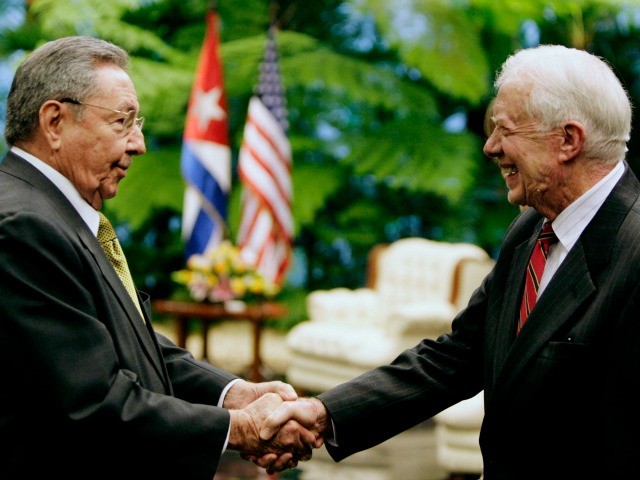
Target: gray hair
[
  {"x": 570, "y": 84},
  {"x": 63, "y": 68}
]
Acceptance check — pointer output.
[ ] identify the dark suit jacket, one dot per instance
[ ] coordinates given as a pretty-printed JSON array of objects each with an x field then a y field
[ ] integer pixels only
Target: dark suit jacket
[
  {"x": 88, "y": 390},
  {"x": 560, "y": 398}
]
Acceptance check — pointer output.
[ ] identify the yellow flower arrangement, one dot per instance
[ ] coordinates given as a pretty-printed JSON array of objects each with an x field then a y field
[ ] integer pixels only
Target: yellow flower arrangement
[{"x": 221, "y": 275}]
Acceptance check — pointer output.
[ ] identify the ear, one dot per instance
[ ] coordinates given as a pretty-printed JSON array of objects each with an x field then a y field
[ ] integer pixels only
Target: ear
[
  {"x": 573, "y": 137},
  {"x": 52, "y": 114}
]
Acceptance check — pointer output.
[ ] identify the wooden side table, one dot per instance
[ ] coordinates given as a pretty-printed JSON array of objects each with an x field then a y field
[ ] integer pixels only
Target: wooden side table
[{"x": 206, "y": 313}]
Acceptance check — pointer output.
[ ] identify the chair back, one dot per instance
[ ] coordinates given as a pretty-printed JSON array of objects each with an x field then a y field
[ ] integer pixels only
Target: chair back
[{"x": 417, "y": 270}]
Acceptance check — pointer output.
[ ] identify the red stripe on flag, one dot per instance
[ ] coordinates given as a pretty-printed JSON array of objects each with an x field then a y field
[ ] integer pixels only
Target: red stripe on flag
[
  {"x": 263, "y": 188},
  {"x": 264, "y": 167}
]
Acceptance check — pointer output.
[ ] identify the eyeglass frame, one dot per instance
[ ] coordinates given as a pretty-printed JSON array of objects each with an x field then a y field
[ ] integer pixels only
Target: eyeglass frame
[{"x": 130, "y": 118}]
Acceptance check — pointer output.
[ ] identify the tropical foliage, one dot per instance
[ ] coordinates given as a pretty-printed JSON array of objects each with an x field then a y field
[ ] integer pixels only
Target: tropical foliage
[{"x": 386, "y": 104}]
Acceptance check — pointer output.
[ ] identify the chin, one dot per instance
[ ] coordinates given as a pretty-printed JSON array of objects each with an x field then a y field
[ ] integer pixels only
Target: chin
[
  {"x": 514, "y": 198},
  {"x": 110, "y": 193}
]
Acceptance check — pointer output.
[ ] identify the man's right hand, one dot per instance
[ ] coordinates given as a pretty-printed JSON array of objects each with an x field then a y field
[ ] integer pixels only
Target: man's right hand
[
  {"x": 308, "y": 414},
  {"x": 292, "y": 443}
]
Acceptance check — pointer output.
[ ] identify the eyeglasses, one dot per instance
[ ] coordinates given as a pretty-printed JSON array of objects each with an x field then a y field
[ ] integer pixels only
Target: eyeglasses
[{"x": 129, "y": 117}]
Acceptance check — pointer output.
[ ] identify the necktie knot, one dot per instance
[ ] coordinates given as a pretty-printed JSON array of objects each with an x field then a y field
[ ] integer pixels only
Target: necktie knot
[
  {"x": 106, "y": 232},
  {"x": 547, "y": 237}
]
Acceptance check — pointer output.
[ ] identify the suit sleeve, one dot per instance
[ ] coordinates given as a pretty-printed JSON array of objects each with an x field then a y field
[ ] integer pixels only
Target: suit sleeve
[
  {"x": 419, "y": 383},
  {"x": 193, "y": 380},
  {"x": 64, "y": 353}
]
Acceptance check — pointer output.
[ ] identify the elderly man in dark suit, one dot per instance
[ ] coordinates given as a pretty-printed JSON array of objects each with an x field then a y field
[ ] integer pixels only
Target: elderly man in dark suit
[
  {"x": 89, "y": 391},
  {"x": 552, "y": 334}
]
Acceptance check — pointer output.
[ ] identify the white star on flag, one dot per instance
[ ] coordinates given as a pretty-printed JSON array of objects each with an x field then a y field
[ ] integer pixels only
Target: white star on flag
[{"x": 207, "y": 107}]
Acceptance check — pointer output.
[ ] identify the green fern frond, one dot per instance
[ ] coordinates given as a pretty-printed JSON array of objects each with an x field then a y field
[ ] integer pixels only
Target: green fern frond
[{"x": 418, "y": 155}]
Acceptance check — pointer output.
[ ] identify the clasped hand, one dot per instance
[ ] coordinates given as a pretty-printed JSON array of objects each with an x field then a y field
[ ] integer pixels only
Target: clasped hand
[{"x": 276, "y": 430}]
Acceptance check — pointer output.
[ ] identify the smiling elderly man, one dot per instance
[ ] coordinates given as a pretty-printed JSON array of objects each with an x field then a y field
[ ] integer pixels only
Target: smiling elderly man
[{"x": 552, "y": 333}]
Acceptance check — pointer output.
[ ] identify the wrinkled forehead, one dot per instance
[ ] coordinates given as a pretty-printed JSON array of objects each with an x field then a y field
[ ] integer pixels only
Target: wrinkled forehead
[{"x": 510, "y": 103}]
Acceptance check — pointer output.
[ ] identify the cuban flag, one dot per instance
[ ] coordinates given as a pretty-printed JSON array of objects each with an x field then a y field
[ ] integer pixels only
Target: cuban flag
[{"x": 206, "y": 154}]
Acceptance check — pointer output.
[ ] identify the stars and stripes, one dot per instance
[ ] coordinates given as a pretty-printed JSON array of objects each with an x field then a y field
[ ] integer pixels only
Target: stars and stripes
[
  {"x": 266, "y": 228},
  {"x": 206, "y": 155}
]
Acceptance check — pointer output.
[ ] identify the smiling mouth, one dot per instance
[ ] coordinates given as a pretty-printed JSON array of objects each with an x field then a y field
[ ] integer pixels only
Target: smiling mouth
[{"x": 508, "y": 171}]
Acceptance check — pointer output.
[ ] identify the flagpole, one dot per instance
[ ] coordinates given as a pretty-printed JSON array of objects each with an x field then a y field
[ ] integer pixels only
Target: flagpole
[{"x": 273, "y": 14}]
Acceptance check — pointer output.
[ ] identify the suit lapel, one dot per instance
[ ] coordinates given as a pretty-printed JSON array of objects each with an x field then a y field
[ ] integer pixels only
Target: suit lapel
[
  {"x": 569, "y": 288},
  {"x": 21, "y": 168},
  {"x": 506, "y": 330},
  {"x": 574, "y": 283},
  {"x": 111, "y": 278}
]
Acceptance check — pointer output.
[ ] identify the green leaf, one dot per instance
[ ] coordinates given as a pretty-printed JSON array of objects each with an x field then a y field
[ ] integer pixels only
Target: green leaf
[
  {"x": 163, "y": 93},
  {"x": 357, "y": 80},
  {"x": 312, "y": 185},
  {"x": 418, "y": 155},
  {"x": 440, "y": 41}
]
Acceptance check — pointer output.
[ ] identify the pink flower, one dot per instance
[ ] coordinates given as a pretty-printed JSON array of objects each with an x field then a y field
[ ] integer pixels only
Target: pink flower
[{"x": 222, "y": 291}]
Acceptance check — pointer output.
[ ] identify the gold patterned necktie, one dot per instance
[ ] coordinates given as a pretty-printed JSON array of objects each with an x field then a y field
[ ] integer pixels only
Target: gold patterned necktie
[{"x": 111, "y": 246}]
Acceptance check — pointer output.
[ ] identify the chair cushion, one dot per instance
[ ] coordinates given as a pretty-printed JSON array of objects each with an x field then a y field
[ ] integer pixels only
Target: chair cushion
[
  {"x": 343, "y": 306},
  {"x": 457, "y": 436},
  {"x": 433, "y": 310},
  {"x": 465, "y": 414},
  {"x": 351, "y": 344}
]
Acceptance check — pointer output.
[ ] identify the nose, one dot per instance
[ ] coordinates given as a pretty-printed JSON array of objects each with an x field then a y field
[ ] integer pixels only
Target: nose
[
  {"x": 135, "y": 142},
  {"x": 493, "y": 147}
]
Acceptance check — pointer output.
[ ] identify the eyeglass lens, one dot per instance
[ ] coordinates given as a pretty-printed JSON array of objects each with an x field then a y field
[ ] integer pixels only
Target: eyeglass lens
[{"x": 130, "y": 119}]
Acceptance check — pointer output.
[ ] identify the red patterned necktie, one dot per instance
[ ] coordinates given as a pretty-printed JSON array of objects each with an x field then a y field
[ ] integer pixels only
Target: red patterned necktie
[{"x": 534, "y": 271}]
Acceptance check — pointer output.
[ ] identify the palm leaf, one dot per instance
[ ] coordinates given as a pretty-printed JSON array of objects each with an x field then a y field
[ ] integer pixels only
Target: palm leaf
[
  {"x": 439, "y": 40},
  {"x": 418, "y": 155}
]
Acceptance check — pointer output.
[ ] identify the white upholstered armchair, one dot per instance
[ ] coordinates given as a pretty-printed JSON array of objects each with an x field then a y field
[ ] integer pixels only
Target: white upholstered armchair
[{"x": 415, "y": 287}]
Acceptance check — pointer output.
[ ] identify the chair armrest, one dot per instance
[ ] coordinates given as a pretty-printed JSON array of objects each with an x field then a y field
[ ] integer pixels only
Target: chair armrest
[
  {"x": 344, "y": 325},
  {"x": 465, "y": 414},
  {"x": 424, "y": 319},
  {"x": 359, "y": 307}
]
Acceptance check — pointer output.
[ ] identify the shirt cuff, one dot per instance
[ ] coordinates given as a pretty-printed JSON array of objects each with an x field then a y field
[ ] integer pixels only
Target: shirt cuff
[
  {"x": 220, "y": 403},
  {"x": 332, "y": 438}
]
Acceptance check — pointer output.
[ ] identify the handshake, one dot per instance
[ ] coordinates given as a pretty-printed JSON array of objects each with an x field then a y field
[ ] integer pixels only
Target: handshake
[{"x": 271, "y": 427}]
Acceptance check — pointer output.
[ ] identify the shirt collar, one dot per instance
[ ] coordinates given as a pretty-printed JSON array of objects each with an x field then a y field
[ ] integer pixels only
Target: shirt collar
[
  {"x": 571, "y": 222},
  {"x": 86, "y": 211}
]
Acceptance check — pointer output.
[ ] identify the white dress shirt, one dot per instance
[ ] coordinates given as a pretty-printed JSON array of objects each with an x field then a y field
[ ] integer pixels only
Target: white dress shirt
[{"x": 571, "y": 222}]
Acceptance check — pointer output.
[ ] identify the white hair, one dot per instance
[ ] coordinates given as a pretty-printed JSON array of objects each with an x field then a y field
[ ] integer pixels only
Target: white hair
[{"x": 570, "y": 84}]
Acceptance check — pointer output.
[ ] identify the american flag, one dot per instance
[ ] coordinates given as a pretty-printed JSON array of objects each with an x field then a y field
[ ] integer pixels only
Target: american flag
[
  {"x": 206, "y": 154},
  {"x": 265, "y": 234}
]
